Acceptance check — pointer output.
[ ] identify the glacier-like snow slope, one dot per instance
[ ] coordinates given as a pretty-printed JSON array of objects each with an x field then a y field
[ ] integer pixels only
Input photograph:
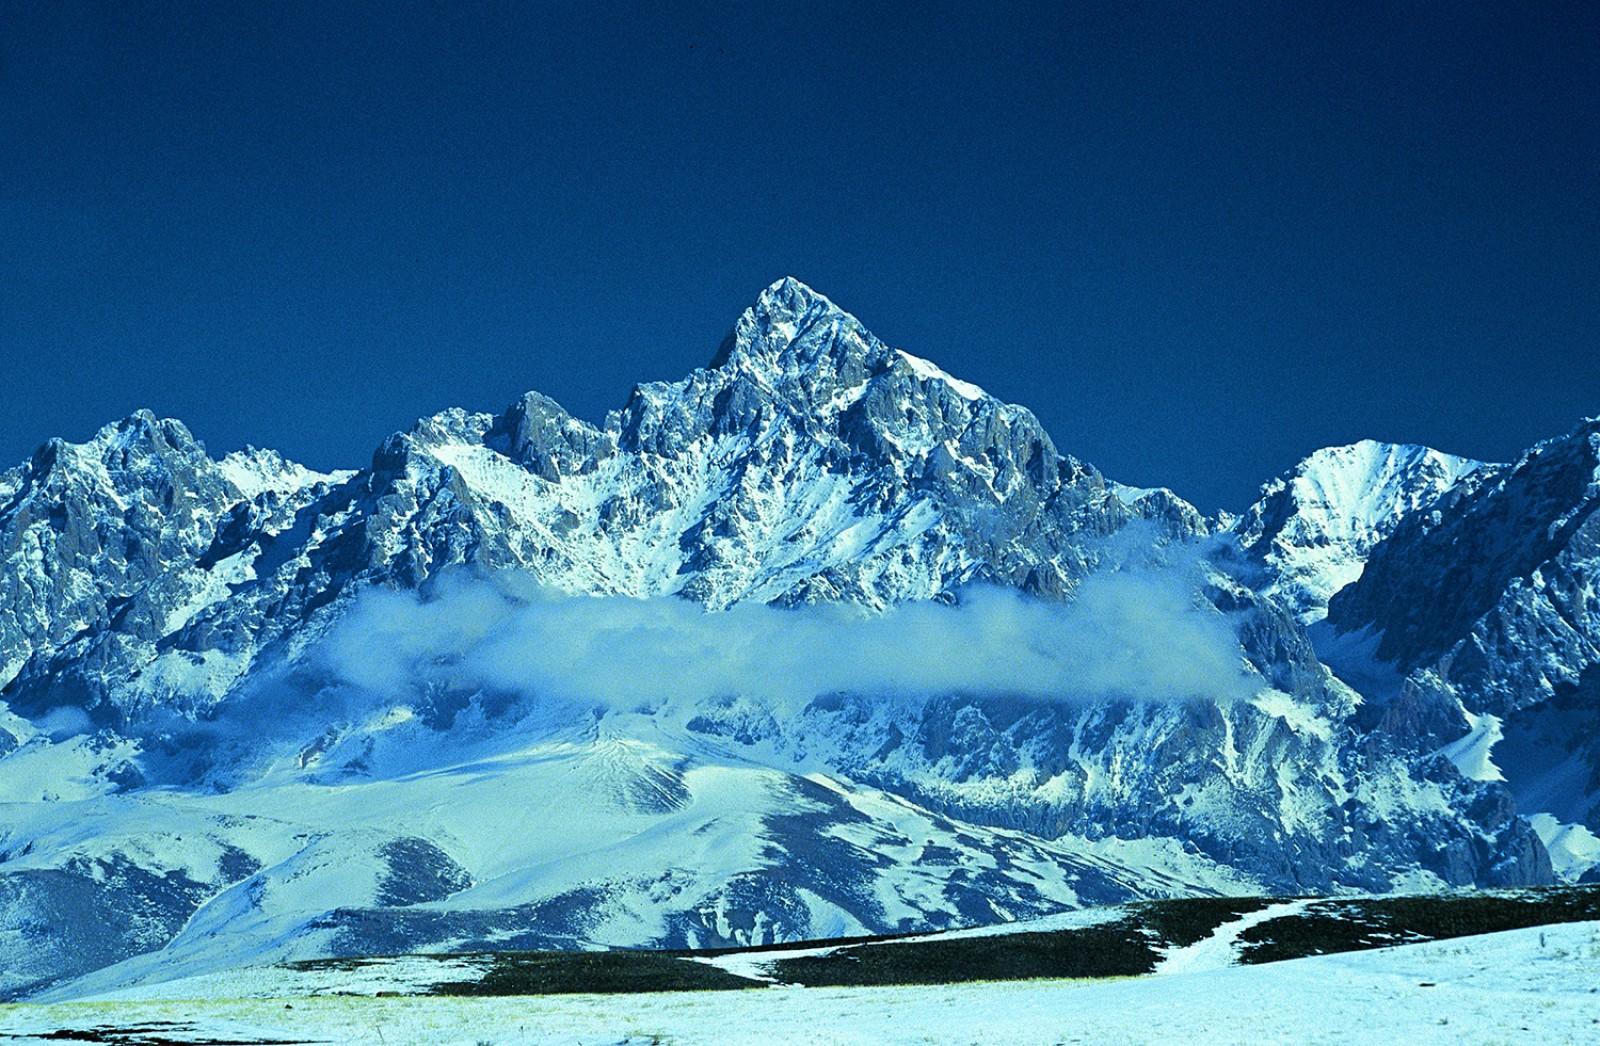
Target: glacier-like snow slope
[
  {"x": 188, "y": 781},
  {"x": 1313, "y": 527}
]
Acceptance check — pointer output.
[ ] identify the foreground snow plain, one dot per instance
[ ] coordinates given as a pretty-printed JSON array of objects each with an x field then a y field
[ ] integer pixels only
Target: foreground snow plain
[{"x": 1535, "y": 985}]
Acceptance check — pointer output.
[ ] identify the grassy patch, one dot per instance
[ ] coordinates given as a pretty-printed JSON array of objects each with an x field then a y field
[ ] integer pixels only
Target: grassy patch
[
  {"x": 1377, "y": 922},
  {"x": 559, "y": 973},
  {"x": 1122, "y": 948}
]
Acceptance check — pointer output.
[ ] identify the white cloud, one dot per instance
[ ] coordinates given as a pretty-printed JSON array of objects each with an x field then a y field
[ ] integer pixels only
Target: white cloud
[{"x": 1136, "y": 632}]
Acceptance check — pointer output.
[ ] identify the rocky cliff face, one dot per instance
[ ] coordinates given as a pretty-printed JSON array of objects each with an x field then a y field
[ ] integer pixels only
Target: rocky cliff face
[
  {"x": 1495, "y": 584},
  {"x": 1482, "y": 614},
  {"x": 167, "y": 621},
  {"x": 113, "y": 548}
]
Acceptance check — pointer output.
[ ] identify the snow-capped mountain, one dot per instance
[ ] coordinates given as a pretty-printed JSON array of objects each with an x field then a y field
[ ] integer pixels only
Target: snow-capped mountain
[
  {"x": 118, "y": 529},
  {"x": 1480, "y": 616},
  {"x": 259, "y": 713},
  {"x": 1314, "y": 527}
]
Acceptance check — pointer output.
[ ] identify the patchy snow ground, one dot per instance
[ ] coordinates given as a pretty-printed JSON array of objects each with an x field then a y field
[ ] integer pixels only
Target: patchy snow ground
[
  {"x": 1539, "y": 985},
  {"x": 1221, "y": 949}
]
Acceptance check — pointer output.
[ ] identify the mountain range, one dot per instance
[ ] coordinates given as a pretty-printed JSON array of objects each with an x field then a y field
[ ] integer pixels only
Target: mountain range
[{"x": 818, "y": 640}]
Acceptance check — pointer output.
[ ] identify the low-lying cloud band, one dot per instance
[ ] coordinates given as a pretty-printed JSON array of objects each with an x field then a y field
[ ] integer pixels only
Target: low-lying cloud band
[{"x": 1133, "y": 633}]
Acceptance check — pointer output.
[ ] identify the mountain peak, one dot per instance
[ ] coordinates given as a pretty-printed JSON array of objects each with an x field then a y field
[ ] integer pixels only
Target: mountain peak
[
  {"x": 787, "y": 320},
  {"x": 789, "y": 297},
  {"x": 1371, "y": 480},
  {"x": 255, "y": 471},
  {"x": 141, "y": 433},
  {"x": 1315, "y": 525}
]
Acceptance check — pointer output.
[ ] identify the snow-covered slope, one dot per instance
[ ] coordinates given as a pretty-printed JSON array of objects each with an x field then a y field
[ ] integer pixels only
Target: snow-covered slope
[
  {"x": 590, "y": 837},
  {"x": 254, "y": 471},
  {"x": 1314, "y": 526},
  {"x": 223, "y": 737},
  {"x": 1521, "y": 985}
]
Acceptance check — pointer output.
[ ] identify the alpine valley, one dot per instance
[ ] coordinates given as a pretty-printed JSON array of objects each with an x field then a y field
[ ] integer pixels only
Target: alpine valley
[{"x": 868, "y": 654}]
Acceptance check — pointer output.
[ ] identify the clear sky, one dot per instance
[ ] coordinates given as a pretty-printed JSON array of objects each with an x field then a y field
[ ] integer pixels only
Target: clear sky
[{"x": 1199, "y": 240}]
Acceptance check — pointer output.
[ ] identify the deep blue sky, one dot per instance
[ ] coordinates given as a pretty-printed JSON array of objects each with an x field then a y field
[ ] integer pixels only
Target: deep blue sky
[{"x": 1197, "y": 242}]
